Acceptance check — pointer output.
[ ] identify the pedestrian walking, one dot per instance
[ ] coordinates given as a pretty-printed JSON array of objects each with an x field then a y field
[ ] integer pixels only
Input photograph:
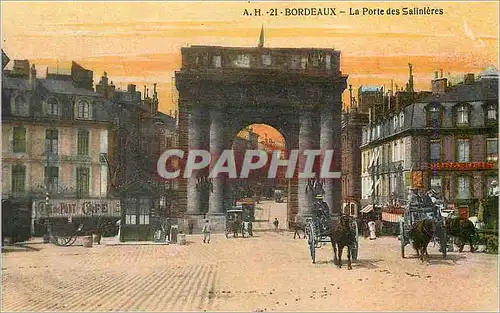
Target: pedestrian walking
[
  {"x": 206, "y": 231},
  {"x": 276, "y": 224},
  {"x": 372, "y": 227}
]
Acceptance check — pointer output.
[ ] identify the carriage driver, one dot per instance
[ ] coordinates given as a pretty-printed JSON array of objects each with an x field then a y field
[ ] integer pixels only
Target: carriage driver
[{"x": 322, "y": 211}]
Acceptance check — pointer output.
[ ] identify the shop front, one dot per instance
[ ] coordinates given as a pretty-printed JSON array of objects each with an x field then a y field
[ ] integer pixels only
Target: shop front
[{"x": 391, "y": 216}]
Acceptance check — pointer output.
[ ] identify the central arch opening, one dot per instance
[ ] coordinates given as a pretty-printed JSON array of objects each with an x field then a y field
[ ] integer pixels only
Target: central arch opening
[{"x": 269, "y": 194}]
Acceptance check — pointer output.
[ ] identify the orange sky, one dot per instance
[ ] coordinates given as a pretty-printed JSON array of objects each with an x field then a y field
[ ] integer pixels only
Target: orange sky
[{"x": 140, "y": 42}]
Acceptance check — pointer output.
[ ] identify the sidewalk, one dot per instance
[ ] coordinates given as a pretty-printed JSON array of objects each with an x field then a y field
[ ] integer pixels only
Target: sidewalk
[{"x": 114, "y": 241}]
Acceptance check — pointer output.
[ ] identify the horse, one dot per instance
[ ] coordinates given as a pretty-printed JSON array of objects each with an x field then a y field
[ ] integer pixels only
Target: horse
[
  {"x": 342, "y": 235},
  {"x": 236, "y": 227},
  {"x": 464, "y": 230},
  {"x": 421, "y": 234},
  {"x": 246, "y": 227},
  {"x": 296, "y": 226}
]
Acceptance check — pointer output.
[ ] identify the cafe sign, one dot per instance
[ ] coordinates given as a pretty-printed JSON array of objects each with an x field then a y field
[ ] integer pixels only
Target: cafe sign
[
  {"x": 76, "y": 208},
  {"x": 462, "y": 166}
]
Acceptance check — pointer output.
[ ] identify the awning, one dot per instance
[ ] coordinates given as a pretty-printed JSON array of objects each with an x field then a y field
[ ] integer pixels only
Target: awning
[
  {"x": 367, "y": 209},
  {"x": 391, "y": 217}
]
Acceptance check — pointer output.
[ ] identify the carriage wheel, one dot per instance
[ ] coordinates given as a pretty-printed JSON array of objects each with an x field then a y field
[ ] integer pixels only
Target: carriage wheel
[
  {"x": 402, "y": 238},
  {"x": 72, "y": 241},
  {"x": 62, "y": 240},
  {"x": 355, "y": 245},
  {"x": 227, "y": 233},
  {"x": 311, "y": 240}
]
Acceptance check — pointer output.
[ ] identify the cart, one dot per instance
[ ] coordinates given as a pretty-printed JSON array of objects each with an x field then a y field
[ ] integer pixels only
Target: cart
[
  {"x": 416, "y": 212},
  {"x": 67, "y": 219},
  {"x": 317, "y": 229},
  {"x": 239, "y": 221}
]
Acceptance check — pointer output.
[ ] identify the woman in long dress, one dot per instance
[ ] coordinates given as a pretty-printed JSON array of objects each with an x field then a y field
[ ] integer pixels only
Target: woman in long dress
[{"x": 371, "y": 227}]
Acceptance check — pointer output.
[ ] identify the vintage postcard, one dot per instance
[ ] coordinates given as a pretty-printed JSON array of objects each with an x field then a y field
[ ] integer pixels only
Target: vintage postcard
[{"x": 249, "y": 156}]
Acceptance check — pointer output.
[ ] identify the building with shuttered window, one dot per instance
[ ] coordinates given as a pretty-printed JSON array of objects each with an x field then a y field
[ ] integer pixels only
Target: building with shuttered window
[
  {"x": 53, "y": 130},
  {"x": 446, "y": 140}
]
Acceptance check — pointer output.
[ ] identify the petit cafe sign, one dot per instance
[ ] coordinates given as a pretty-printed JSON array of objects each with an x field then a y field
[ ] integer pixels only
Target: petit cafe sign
[{"x": 462, "y": 166}]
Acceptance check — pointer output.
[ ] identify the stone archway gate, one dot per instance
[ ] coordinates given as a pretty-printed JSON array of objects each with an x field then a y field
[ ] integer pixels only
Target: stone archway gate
[{"x": 223, "y": 89}]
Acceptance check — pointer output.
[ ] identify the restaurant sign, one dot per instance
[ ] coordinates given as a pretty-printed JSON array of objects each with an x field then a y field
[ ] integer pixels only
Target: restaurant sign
[
  {"x": 462, "y": 166},
  {"x": 76, "y": 208}
]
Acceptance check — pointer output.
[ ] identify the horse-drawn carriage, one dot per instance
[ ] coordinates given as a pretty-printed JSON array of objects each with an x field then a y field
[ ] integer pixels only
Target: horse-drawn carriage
[
  {"x": 414, "y": 213},
  {"x": 320, "y": 227},
  {"x": 239, "y": 220},
  {"x": 66, "y": 220}
]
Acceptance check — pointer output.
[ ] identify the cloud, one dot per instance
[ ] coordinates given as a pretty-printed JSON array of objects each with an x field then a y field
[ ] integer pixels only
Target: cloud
[{"x": 470, "y": 34}]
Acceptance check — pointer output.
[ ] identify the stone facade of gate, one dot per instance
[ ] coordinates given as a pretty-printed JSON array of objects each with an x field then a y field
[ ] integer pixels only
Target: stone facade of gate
[{"x": 223, "y": 89}]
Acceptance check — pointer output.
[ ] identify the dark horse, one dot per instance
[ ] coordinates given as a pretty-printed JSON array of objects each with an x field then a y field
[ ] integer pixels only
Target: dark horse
[
  {"x": 236, "y": 227},
  {"x": 464, "y": 230},
  {"x": 421, "y": 234},
  {"x": 342, "y": 236}
]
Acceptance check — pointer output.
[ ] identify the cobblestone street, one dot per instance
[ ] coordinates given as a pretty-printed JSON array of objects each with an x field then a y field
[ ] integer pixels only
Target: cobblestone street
[{"x": 269, "y": 272}]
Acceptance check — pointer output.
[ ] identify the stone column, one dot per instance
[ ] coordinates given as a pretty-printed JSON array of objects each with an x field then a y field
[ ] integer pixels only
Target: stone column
[
  {"x": 195, "y": 137},
  {"x": 326, "y": 143},
  {"x": 216, "y": 201},
  {"x": 305, "y": 195}
]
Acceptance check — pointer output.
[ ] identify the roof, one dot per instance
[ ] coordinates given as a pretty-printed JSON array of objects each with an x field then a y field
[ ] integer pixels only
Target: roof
[
  {"x": 364, "y": 88},
  {"x": 252, "y": 49},
  {"x": 488, "y": 73},
  {"x": 167, "y": 120},
  {"x": 18, "y": 83},
  {"x": 480, "y": 90},
  {"x": 66, "y": 87}
]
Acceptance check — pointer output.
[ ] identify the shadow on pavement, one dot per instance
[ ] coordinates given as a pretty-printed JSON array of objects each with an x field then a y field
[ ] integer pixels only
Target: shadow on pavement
[
  {"x": 437, "y": 259},
  {"x": 18, "y": 248},
  {"x": 366, "y": 263}
]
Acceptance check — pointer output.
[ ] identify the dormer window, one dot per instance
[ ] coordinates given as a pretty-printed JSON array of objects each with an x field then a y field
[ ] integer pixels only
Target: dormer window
[
  {"x": 491, "y": 113},
  {"x": 19, "y": 106},
  {"x": 434, "y": 115},
  {"x": 401, "y": 120},
  {"x": 395, "y": 121},
  {"x": 242, "y": 60},
  {"x": 295, "y": 62},
  {"x": 217, "y": 61},
  {"x": 52, "y": 106},
  {"x": 83, "y": 109},
  {"x": 328, "y": 61},
  {"x": 462, "y": 115},
  {"x": 266, "y": 59},
  {"x": 303, "y": 62}
]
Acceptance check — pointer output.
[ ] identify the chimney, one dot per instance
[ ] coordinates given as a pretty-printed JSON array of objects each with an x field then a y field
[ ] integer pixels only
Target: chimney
[
  {"x": 441, "y": 70},
  {"x": 21, "y": 68},
  {"x": 33, "y": 76},
  {"x": 469, "y": 78},
  {"x": 439, "y": 85},
  {"x": 131, "y": 88},
  {"x": 350, "y": 96},
  {"x": 410, "y": 78},
  {"x": 436, "y": 75},
  {"x": 170, "y": 113},
  {"x": 104, "y": 79}
]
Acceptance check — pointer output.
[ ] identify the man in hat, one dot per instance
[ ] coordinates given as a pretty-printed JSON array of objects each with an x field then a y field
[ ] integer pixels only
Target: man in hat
[{"x": 206, "y": 231}]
